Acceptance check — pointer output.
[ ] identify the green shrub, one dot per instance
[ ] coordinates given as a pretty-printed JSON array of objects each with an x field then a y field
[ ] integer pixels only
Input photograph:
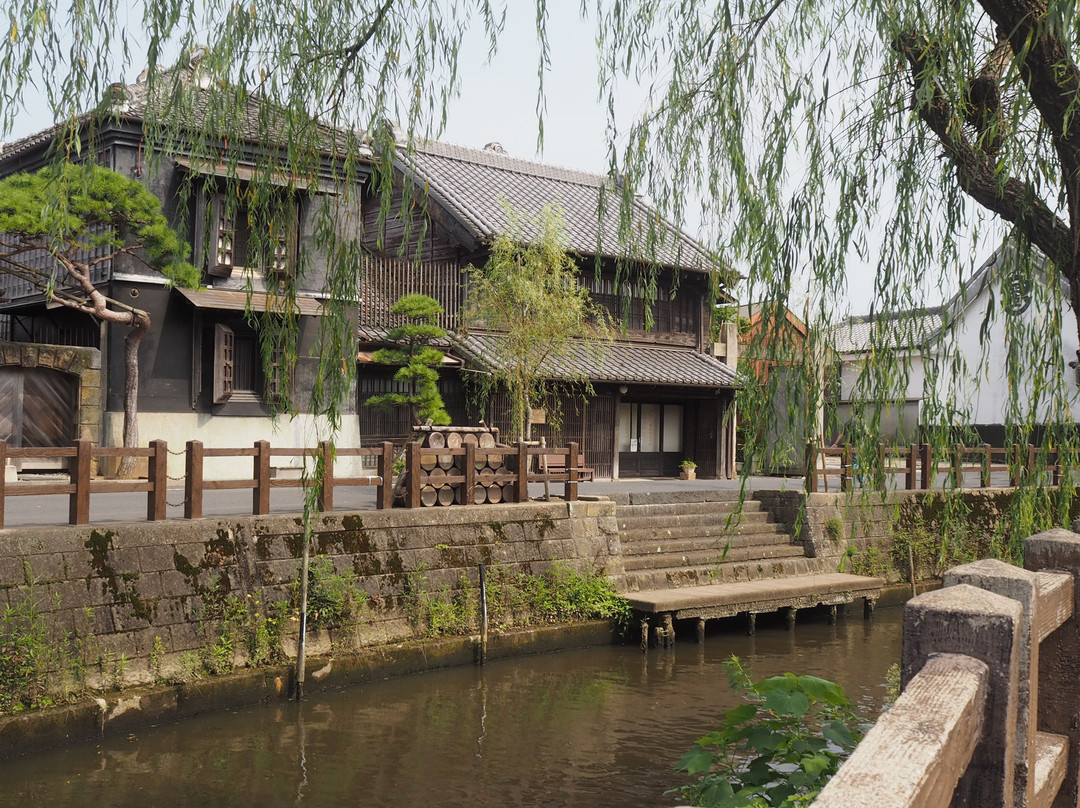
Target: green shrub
[{"x": 777, "y": 749}]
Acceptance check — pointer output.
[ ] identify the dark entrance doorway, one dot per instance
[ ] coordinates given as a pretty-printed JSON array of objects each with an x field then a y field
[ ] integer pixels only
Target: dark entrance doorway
[{"x": 650, "y": 439}]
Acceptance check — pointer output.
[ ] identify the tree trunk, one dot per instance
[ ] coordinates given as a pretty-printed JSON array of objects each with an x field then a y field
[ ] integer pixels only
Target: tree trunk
[{"x": 140, "y": 326}]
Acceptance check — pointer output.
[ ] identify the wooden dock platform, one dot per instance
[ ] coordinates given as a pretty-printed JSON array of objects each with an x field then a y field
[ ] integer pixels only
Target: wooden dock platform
[{"x": 751, "y": 598}]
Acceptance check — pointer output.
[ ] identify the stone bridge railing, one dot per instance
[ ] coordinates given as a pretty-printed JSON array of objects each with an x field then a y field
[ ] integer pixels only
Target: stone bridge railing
[{"x": 989, "y": 713}]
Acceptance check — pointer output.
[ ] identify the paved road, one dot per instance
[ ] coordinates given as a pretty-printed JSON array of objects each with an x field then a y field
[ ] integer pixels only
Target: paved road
[{"x": 52, "y": 509}]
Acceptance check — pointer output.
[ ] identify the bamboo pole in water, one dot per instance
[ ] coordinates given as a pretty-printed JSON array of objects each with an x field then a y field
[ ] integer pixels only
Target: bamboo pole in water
[{"x": 483, "y": 616}]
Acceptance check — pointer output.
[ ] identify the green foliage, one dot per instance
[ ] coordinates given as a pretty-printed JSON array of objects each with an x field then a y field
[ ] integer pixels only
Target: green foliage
[
  {"x": 70, "y": 209},
  {"x": 333, "y": 597},
  {"x": 30, "y": 657},
  {"x": 418, "y": 360},
  {"x": 777, "y": 749},
  {"x": 559, "y": 595},
  {"x": 834, "y": 528},
  {"x": 529, "y": 293}
]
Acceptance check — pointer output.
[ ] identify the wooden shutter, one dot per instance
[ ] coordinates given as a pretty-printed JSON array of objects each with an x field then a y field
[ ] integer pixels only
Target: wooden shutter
[
  {"x": 224, "y": 362},
  {"x": 222, "y": 253}
]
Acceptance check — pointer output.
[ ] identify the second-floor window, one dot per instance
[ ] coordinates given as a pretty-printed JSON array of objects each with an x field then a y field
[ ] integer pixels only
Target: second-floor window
[{"x": 240, "y": 235}]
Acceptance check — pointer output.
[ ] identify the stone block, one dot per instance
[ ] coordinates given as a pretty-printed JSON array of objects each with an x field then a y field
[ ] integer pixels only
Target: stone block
[
  {"x": 183, "y": 637},
  {"x": 155, "y": 558},
  {"x": 962, "y": 619}
]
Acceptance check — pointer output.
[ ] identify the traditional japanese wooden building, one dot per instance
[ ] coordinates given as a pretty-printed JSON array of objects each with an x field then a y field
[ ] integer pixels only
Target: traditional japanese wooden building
[{"x": 660, "y": 394}]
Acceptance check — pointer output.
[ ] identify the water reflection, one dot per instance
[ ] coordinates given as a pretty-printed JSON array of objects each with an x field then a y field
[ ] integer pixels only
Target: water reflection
[{"x": 595, "y": 727}]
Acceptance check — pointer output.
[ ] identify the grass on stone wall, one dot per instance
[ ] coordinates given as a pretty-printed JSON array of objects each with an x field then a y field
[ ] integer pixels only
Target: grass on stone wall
[{"x": 515, "y": 600}]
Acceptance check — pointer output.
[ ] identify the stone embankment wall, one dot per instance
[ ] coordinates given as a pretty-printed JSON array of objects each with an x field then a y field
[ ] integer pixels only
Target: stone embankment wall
[
  {"x": 134, "y": 598},
  {"x": 861, "y": 531}
]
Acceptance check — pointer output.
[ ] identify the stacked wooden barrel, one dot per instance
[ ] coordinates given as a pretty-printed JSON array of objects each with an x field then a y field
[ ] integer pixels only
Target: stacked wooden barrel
[{"x": 436, "y": 466}]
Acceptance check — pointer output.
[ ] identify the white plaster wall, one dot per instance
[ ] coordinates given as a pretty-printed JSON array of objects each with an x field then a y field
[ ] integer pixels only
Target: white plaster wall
[
  {"x": 217, "y": 431},
  {"x": 982, "y": 383}
]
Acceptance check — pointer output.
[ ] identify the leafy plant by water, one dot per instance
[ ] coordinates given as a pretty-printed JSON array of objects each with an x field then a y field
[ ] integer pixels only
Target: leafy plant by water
[{"x": 779, "y": 748}]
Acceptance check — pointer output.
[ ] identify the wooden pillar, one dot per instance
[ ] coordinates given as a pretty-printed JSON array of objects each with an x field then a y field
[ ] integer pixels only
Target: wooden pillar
[
  {"x": 751, "y": 623},
  {"x": 193, "y": 480},
  {"x": 701, "y": 630},
  {"x": 958, "y": 466},
  {"x": 669, "y": 630},
  {"x": 789, "y": 616},
  {"x": 1016, "y": 469},
  {"x": 869, "y": 604},
  {"x": 326, "y": 489},
  {"x": 468, "y": 488},
  {"x": 928, "y": 470},
  {"x": 79, "y": 502},
  {"x": 845, "y": 468},
  {"x": 832, "y": 615},
  {"x": 3, "y": 479},
  {"x": 157, "y": 474},
  {"x": 574, "y": 463},
  {"x": 260, "y": 495},
  {"x": 522, "y": 472},
  {"x": 986, "y": 466},
  {"x": 912, "y": 467},
  {"x": 385, "y": 493},
  {"x": 811, "y": 467},
  {"x": 412, "y": 474}
]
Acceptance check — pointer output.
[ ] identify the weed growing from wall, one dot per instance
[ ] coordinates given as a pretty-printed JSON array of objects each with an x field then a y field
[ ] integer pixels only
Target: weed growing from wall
[
  {"x": 32, "y": 657},
  {"x": 559, "y": 595},
  {"x": 334, "y": 599}
]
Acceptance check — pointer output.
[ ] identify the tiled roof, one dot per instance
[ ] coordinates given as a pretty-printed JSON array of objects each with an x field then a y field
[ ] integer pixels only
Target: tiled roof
[
  {"x": 469, "y": 183},
  {"x": 908, "y": 329},
  {"x": 136, "y": 101},
  {"x": 615, "y": 362}
]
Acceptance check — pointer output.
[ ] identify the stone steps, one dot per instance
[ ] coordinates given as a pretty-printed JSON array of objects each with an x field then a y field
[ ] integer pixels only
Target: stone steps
[
  {"x": 652, "y": 547},
  {"x": 687, "y": 508},
  {"x": 728, "y": 572},
  {"x": 669, "y": 560},
  {"x": 715, "y": 532},
  {"x": 676, "y": 544}
]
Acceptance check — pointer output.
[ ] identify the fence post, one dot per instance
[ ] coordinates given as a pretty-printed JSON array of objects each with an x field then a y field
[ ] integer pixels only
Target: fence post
[
  {"x": 963, "y": 619},
  {"x": 412, "y": 474},
  {"x": 384, "y": 499},
  {"x": 193, "y": 480},
  {"x": 3, "y": 479},
  {"x": 811, "y": 467},
  {"x": 572, "y": 473},
  {"x": 912, "y": 467},
  {"x": 1017, "y": 469},
  {"x": 845, "y": 468},
  {"x": 1031, "y": 459},
  {"x": 326, "y": 489},
  {"x": 79, "y": 503},
  {"x": 928, "y": 473},
  {"x": 523, "y": 472},
  {"x": 468, "y": 489},
  {"x": 986, "y": 466},
  {"x": 1059, "y": 697},
  {"x": 958, "y": 465},
  {"x": 157, "y": 474},
  {"x": 1055, "y": 473},
  {"x": 260, "y": 496}
]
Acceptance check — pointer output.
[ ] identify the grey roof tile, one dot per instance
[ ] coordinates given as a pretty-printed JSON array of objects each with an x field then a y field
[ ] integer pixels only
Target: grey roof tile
[
  {"x": 469, "y": 183},
  {"x": 616, "y": 362}
]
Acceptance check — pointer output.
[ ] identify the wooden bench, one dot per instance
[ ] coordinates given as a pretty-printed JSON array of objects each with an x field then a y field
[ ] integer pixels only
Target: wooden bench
[{"x": 556, "y": 464}]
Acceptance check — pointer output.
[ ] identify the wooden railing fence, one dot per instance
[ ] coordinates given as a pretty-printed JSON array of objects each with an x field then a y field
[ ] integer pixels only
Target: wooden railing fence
[
  {"x": 81, "y": 483},
  {"x": 989, "y": 713},
  {"x": 920, "y": 468}
]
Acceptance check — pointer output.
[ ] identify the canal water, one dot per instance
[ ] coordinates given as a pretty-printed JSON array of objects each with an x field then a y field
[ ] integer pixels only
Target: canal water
[{"x": 595, "y": 727}]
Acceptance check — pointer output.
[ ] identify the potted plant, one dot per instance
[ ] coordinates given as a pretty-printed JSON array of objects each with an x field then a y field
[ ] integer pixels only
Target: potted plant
[{"x": 689, "y": 470}]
